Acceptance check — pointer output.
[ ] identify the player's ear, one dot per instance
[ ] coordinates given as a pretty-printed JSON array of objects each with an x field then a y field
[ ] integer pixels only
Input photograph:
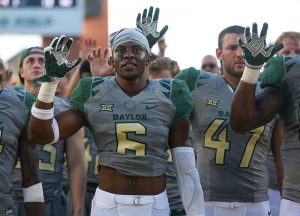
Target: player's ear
[
  {"x": 148, "y": 60},
  {"x": 111, "y": 59}
]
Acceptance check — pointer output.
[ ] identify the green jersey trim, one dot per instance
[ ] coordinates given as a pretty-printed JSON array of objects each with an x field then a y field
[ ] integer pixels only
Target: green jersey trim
[
  {"x": 29, "y": 100},
  {"x": 189, "y": 75},
  {"x": 81, "y": 93},
  {"x": 182, "y": 99},
  {"x": 273, "y": 72}
]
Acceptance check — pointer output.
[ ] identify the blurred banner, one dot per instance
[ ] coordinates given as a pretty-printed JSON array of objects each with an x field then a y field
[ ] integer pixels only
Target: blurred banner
[{"x": 44, "y": 17}]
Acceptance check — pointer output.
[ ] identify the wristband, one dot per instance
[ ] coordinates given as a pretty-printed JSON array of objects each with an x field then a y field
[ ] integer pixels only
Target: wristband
[
  {"x": 55, "y": 129},
  {"x": 43, "y": 114},
  {"x": 34, "y": 193},
  {"x": 47, "y": 91},
  {"x": 250, "y": 75}
]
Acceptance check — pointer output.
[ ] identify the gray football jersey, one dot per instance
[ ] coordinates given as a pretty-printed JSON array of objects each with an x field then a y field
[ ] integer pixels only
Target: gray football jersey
[
  {"x": 232, "y": 166},
  {"x": 15, "y": 107},
  {"x": 273, "y": 184},
  {"x": 132, "y": 132},
  {"x": 91, "y": 157},
  {"x": 284, "y": 72},
  {"x": 52, "y": 158}
]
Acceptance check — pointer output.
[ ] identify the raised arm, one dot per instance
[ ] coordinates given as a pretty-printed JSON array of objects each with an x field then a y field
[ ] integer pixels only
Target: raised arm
[
  {"x": 248, "y": 111},
  {"x": 43, "y": 128}
]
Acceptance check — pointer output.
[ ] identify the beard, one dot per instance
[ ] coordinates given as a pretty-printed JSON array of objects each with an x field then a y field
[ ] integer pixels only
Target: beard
[{"x": 235, "y": 72}]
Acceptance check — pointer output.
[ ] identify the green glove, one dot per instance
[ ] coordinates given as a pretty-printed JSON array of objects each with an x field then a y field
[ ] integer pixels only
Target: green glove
[
  {"x": 149, "y": 26},
  {"x": 56, "y": 63},
  {"x": 255, "y": 51}
]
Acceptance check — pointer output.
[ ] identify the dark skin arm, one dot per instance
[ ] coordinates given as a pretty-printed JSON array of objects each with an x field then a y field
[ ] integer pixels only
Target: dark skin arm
[
  {"x": 249, "y": 111},
  {"x": 277, "y": 138},
  {"x": 179, "y": 134},
  {"x": 69, "y": 122},
  {"x": 29, "y": 157}
]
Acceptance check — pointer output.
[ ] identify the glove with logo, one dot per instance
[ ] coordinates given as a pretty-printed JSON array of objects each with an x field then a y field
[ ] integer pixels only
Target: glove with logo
[
  {"x": 149, "y": 25},
  {"x": 56, "y": 63},
  {"x": 255, "y": 52}
]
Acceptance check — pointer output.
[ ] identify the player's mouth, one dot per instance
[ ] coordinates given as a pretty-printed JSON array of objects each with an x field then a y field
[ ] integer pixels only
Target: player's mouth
[
  {"x": 240, "y": 63},
  {"x": 129, "y": 66},
  {"x": 37, "y": 73}
]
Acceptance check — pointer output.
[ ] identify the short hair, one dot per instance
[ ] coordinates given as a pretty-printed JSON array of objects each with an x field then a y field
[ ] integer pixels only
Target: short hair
[
  {"x": 289, "y": 34},
  {"x": 174, "y": 67},
  {"x": 159, "y": 64},
  {"x": 163, "y": 63},
  {"x": 26, "y": 53},
  {"x": 231, "y": 29}
]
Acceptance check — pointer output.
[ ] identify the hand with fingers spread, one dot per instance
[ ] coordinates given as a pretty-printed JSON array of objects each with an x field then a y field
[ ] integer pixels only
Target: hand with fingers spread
[
  {"x": 56, "y": 62},
  {"x": 255, "y": 49},
  {"x": 100, "y": 64},
  {"x": 256, "y": 53},
  {"x": 148, "y": 24},
  {"x": 86, "y": 47},
  {"x": 5, "y": 76}
]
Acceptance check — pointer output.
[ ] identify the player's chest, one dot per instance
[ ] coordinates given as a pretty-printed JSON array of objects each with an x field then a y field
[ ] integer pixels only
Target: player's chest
[{"x": 110, "y": 109}]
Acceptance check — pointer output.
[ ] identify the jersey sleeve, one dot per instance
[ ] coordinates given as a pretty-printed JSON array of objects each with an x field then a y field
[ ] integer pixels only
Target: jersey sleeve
[
  {"x": 29, "y": 100},
  {"x": 182, "y": 99},
  {"x": 189, "y": 75},
  {"x": 273, "y": 72},
  {"x": 81, "y": 93}
]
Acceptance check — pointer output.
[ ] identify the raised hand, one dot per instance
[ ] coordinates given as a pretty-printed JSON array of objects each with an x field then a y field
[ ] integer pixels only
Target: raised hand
[
  {"x": 100, "y": 64},
  {"x": 148, "y": 24},
  {"x": 256, "y": 52},
  {"x": 56, "y": 63},
  {"x": 86, "y": 47},
  {"x": 6, "y": 77}
]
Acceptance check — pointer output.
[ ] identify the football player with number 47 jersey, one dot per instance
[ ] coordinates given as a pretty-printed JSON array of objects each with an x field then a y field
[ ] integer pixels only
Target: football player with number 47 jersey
[{"x": 232, "y": 166}]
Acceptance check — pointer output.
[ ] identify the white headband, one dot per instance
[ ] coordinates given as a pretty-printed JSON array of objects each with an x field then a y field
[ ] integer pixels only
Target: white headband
[{"x": 128, "y": 34}]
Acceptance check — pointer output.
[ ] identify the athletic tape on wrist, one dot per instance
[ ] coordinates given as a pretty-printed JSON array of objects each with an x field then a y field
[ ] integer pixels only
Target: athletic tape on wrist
[
  {"x": 250, "y": 75},
  {"x": 34, "y": 193},
  {"x": 47, "y": 92},
  {"x": 43, "y": 114}
]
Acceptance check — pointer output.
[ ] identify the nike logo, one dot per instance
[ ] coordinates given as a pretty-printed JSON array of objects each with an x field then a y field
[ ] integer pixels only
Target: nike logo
[
  {"x": 148, "y": 107},
  {"x": 269, "y": 213}
]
